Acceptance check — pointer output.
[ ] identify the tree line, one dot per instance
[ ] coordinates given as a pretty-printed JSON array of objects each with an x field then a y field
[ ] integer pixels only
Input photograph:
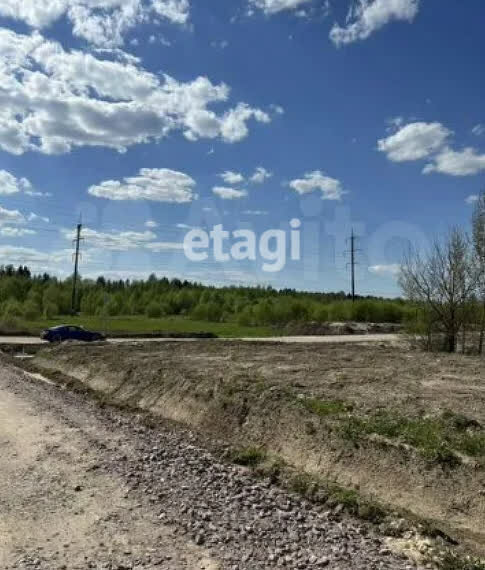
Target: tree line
[{"x": 28, "y": 297}]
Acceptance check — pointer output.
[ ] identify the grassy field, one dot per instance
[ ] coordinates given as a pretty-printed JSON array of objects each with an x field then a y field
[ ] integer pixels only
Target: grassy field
[{"x": 140, "y": 325}]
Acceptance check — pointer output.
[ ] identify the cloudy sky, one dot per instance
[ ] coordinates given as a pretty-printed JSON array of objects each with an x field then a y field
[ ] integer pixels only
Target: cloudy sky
[{"x": 146, "y": 118}]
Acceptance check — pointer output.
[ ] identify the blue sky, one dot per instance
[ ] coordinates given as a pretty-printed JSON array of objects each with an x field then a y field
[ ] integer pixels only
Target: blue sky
[{"x": 151, "y": 117}]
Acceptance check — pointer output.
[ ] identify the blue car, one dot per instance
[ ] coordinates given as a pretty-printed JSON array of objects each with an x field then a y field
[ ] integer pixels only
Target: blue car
[{"x": 70, "y": 332}]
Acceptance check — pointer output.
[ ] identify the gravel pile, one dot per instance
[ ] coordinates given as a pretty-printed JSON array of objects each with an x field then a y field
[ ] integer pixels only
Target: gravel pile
[{"x": 246, "y": 522}]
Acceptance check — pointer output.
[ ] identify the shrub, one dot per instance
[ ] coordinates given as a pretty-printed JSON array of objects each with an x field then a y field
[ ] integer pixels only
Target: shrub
[
  {"x": 153, "y": 310},
  {"x": 50, "y": 310},
  {"x": 31, "y": 311}
]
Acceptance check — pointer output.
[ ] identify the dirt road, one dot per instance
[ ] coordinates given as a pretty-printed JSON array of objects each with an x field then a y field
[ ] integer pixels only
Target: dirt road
[
  {"x": 87, "y": 487},
  {"x": 328, "y": 339}
]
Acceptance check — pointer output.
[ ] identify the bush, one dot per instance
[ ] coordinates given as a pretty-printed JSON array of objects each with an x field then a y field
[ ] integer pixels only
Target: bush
[
  {"x": 31, "y": 311},
  {"x": 12, "y": 308},
  {"x": 50, "y": 310},
  {"x": 321, "y": 313},
  {"x": 153, "y": 310},
  {"x": 9, "y": 325}
]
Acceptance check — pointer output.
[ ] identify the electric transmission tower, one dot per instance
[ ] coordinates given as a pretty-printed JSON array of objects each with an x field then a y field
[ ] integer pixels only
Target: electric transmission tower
[
  {"x": 352, "y": 262},
  {"x": 77, "y": 243}
]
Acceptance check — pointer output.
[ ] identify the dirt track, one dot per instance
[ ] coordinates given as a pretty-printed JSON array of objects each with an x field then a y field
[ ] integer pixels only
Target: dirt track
[
  {"x": 330, "y": 339},
  {"x": 85, "y": 487}
]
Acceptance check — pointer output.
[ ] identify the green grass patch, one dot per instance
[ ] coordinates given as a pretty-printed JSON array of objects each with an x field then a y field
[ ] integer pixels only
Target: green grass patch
[
  {"x": 324, "y": 408},
  {"x": 249, "y": 456},
  {"x": 436, "y": 438},
  {"x": 145, "y": 325}
]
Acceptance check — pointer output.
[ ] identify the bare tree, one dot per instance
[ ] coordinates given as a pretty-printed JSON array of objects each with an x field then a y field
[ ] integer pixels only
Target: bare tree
[
  {"x": 443, "y": 281},
  {"x": 478, "y": 224}
]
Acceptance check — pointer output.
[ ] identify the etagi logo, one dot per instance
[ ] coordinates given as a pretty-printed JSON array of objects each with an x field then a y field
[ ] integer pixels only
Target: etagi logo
[{"x": 272, "y": 246}]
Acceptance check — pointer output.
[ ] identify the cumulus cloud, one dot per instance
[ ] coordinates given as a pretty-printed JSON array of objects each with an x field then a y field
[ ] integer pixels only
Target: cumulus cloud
[
  {"x": 155, "y": 184},
  {"x": 330, "y": 188},
  {"x": 176, "y": 11},
  {"x": 113, "y": 240},
  {"x": 271, "y": 7},
  {"x": 414, "y": 141},
  {"x": 229, "y": 193},
  {"x": 100, "y": 22},
  {"x": 392, "y": 269},
  {"x": 367, "y": 16},
  {"x": 466, "y": 162},
  {"x": 419, "y": 140},
  {"x": 9, "y": 184},
  {"x": 11, "y": 217},
  {"x": 472, "y": 199},
  {"x": 231, "y": 177},
  {"x": 9, "y": 231},
  {"x": 52, "y": 100},
  {"x": 151, "y": 224},
  {"x": 260, "y": 175}
]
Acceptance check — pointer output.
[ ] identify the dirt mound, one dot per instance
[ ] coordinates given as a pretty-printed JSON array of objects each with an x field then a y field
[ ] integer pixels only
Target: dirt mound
[
  {"x": 405, "y": 428},
  {"x": 314, "y": 328}
]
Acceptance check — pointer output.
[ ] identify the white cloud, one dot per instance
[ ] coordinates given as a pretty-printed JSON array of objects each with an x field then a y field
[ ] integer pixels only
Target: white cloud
[
  {"x": 260, "y": 175},
  {"x": 100, "y": 22},
  {"x": 270, "y": 7},
  {"x": 229, "y": 193},
  {"x": 9, "y": 184},
  {"x": 39, "y": 261},
  {"x": 231, "y": 177},
  {"x": 151, "y": 224},
  {"x": 233, "y": 124},
  {"x": 176, "y": 11},
  {"x": 472, "y": 199},
  {"x": 386, "y": 270},
  {"x": 330, "y": 188},
  {"x": 9, "y": 231},
  {"x": 160, "y": 246},
  {"x": 35, "y": 217},
  {"x": 256, "y": 212},
  {"x": 367, "y": 16},
  {"x": 52, "y": 100},
  {"x": 466, "y": 162},
  {"x": 414, "y": 141},
  {"x": 478, "y": 130},
  {"x": 155, "y": 184},
  {"x": 11, "y": 217},
  {"x": 113, "y": 240}
]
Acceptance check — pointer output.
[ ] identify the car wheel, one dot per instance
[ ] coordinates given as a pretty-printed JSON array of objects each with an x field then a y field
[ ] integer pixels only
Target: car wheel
[{"x": 57, "y": 338}]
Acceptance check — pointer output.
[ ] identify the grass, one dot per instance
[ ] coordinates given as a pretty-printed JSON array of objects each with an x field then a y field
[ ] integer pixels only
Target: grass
[
  {"x": 436, "y": 438},
  {"x": 324, "y": 408},
  {"x": 248, "y": 456},
  {"x": 141, "y": 325},
  {"x": 453, "y": 562}
]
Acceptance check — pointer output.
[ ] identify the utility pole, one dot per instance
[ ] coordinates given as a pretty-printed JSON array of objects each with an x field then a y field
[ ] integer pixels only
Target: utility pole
[
  {"x": 77, "y": 242},
  {"x": 352, "y": 263}
]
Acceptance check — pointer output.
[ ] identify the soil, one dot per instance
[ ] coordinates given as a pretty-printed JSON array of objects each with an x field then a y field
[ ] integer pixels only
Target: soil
[
  {"x": 85, "y": 486},
  {"x": 256, "y": 394}
]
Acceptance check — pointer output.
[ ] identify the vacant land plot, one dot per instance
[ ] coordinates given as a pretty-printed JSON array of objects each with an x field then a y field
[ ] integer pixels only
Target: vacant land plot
[{"x": 391, "y": 425}]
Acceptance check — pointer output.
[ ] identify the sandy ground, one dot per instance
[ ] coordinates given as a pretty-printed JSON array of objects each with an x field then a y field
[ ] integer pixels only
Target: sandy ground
[{"x": 57, "y": 509}]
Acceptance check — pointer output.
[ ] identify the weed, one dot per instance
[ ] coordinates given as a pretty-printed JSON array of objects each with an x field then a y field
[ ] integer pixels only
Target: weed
[
  {"x": 248, "y": 456},
  {"x": 326, "y": 407},
  {"x": 452, "y": 561}
]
